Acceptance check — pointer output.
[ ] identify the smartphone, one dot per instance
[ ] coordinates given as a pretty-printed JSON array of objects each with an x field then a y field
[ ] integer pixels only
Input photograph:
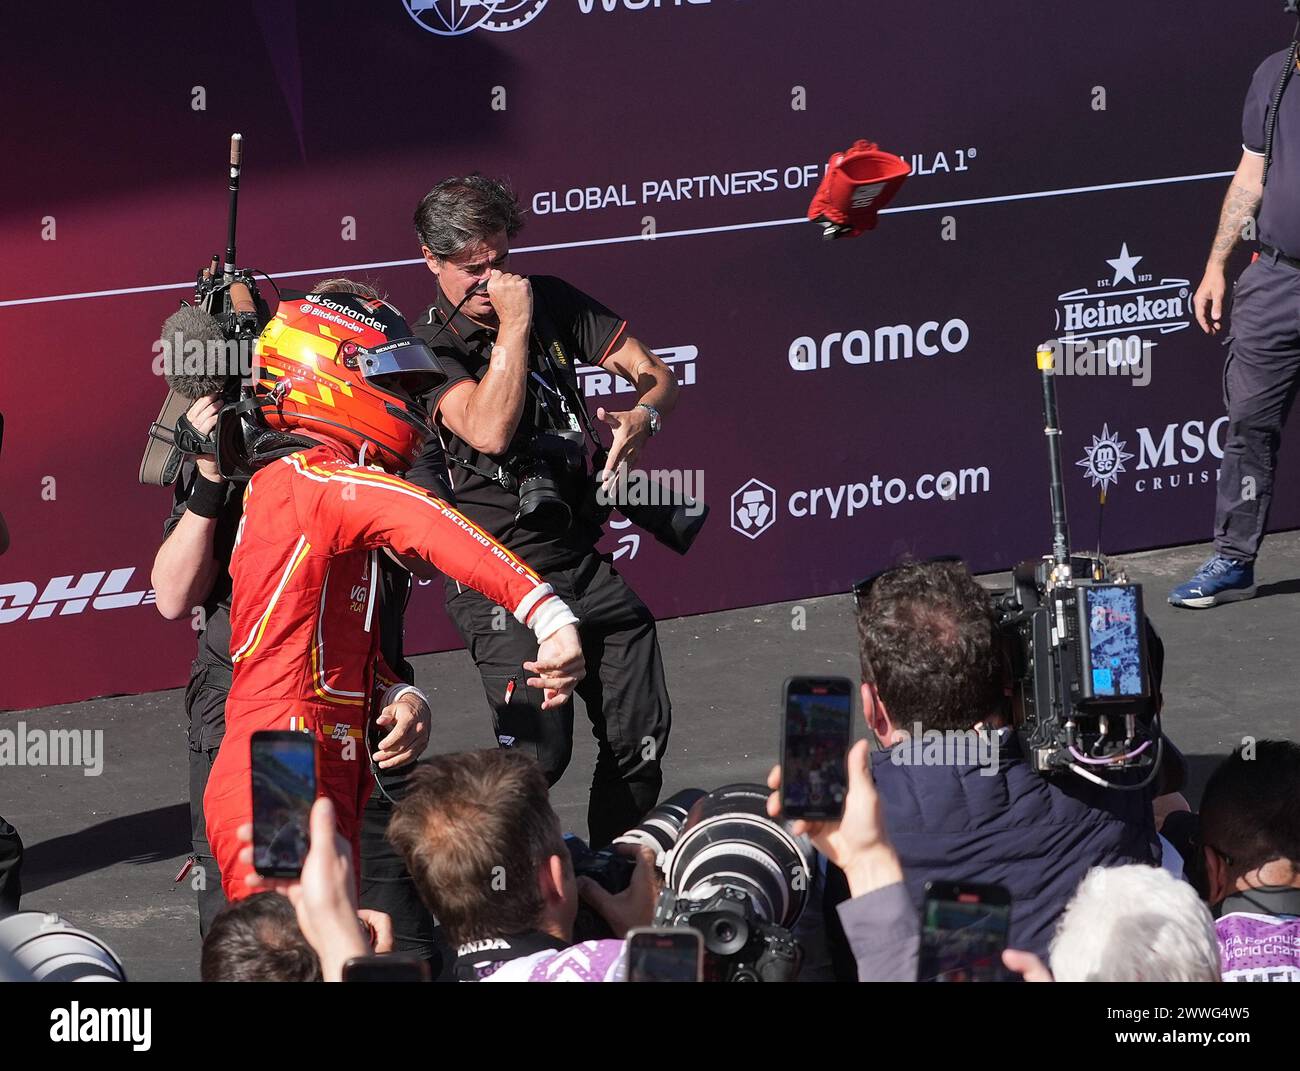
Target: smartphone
[
  {"x": 817, "y": 730},
  {"x": 387, "y": 968},
  {"x": 284, "y": 788},
  {"x": 963, "y": 933},
  {"x": 663, "y": 954}
]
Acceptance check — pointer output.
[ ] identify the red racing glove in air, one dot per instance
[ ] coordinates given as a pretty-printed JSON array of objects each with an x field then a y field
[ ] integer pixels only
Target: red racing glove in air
[{"x": 858, "y": 184}]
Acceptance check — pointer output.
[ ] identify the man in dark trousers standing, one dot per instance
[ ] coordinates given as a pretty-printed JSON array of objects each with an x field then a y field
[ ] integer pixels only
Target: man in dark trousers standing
[
  {"x": 511, "y": 400},
  {"x": 1260, "y": 377}
]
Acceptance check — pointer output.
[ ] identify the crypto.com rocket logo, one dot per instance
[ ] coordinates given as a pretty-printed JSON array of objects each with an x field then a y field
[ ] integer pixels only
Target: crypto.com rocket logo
[{"x": 451, "y": 18}]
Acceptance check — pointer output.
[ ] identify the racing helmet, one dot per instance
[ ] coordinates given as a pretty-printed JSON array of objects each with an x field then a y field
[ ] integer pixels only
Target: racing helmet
[{"x": 347, "y": 366}]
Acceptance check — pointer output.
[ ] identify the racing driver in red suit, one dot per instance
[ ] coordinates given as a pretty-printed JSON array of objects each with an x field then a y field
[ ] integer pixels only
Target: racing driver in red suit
[{"x": 337, "y": 378}]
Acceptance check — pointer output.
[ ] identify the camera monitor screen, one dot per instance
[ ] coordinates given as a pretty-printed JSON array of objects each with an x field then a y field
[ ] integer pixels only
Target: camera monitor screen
[{"x": 1114, "y": 616}]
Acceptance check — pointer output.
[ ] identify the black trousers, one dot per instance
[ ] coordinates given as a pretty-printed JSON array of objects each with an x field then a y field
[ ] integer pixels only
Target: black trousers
[
  {"x": 11, "y": 865},
  {"x": 204, "y": 876},
  {"x": 624, "y": 692},
  {"x": 1259, "y": 386}
]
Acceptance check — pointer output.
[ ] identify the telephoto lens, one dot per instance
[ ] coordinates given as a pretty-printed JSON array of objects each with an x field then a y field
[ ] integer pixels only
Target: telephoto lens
[
  {"x": 661, "y": 828},
  {"x": 730, "y": 843},
  {"x": 53, "y": 950}
]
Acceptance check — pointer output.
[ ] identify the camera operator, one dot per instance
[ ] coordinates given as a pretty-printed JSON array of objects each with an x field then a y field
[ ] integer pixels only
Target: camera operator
[
  {"x": 930, "y": 658},
  {"x": 513, "y": 423},
  {"x": 880, "y": 924},
  {"x": 485, "y": 848},
  {"x": 191, "y": 578},
  {"x": 1260, "y": 375}
]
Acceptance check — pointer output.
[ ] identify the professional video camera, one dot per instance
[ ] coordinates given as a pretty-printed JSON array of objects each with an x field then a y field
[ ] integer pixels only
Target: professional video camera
[
  {"x": 729, "y": 871},
  {"x": 206, "y": 348},
  {"x": 1078, "y": 644}
]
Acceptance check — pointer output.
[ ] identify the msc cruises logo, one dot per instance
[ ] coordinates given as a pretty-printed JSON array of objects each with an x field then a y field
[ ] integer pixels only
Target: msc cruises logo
[
  {"x": 451, "y": 18},
  {"x": 1108, "y": 307},
  {"x": 1103, "y": 461}
]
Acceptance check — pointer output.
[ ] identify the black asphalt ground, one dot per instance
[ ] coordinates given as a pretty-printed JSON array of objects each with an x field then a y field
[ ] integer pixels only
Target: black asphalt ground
[{"x": 103, "y": 850}]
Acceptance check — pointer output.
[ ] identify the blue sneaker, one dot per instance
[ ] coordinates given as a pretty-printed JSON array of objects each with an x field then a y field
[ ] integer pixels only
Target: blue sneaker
[{"x": 1218, "y": 580}]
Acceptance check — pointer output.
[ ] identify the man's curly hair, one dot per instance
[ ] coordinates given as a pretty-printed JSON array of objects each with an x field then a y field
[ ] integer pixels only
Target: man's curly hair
[{"x": 928, "y": 637}]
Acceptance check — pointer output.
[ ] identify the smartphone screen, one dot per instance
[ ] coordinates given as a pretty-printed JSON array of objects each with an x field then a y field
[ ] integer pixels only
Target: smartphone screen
[
  {"x": 284, "y": 788},
  {"x": 387, "y": 968},
  {"x": 656, "y": 954},
  {"x": 817, "y": 732},
  {"x": 1114, "y": 615},
  {"x": 963, "y": 933}
]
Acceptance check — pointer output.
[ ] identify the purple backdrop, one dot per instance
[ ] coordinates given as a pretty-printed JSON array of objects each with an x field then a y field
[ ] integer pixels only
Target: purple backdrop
[{"x": 708, "y": 117}]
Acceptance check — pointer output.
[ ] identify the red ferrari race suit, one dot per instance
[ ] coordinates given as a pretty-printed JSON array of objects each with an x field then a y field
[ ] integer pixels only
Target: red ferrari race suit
[{"x": 304, "y": 629}]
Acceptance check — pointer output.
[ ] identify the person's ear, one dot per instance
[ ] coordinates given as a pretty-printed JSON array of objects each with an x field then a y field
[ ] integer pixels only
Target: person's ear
[
  {"x": 1216, "y": 875},
  {"x": 551, "y": 880},
  {"x": 877, "y": 714},
  {"x": 434, "y": 263}
]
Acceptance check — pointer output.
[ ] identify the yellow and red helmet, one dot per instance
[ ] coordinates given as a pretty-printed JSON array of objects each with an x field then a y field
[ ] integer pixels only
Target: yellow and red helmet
[{"x": 348, "y": 367}]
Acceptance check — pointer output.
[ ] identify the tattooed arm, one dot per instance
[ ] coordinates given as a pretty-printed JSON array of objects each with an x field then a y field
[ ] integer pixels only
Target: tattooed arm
[{"x": 1239, "y": 207}]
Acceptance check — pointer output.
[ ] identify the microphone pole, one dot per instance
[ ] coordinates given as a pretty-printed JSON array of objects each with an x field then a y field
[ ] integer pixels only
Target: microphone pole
[
  {"x": 236, "y": 165},
  {"x": 1051, "y": 428}
]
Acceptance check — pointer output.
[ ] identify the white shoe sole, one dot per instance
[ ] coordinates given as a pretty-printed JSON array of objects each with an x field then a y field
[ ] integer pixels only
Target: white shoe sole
[{"x": 1204, "y": 602}]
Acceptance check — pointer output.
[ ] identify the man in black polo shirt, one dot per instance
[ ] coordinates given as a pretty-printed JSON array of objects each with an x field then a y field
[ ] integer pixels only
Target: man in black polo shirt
[
  {"x": 1260, "y": 376},
  {"x": 509, "y": 350}
]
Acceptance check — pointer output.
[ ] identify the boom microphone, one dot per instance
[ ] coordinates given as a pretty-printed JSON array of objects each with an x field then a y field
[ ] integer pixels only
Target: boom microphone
[{"x": 187, "y": 356}]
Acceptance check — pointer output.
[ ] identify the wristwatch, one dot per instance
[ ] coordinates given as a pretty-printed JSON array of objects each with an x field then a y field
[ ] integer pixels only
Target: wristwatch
[{"x": 655, "y": 422}]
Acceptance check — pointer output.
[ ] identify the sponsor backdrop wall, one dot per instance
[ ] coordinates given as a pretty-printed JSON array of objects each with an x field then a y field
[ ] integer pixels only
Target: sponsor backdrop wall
[{"x": 1068, "y": 158}]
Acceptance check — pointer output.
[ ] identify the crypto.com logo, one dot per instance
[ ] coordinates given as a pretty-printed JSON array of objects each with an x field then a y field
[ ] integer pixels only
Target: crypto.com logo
[
  {"x": 451, "y": 18},
  {"x": 753, "y": 509}
]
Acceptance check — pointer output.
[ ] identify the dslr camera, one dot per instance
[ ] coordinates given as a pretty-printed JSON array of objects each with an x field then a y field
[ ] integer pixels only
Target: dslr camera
[{"x": 549, "y": 472}]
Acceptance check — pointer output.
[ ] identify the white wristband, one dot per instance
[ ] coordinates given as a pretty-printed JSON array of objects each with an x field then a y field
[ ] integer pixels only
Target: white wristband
[
  {"x": 553, "y": 616},
  {"x": 397, "y": 691}
]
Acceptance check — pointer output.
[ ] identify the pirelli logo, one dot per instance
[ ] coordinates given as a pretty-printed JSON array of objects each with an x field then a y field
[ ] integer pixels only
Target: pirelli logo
[{"x": 596, "y": 382}]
